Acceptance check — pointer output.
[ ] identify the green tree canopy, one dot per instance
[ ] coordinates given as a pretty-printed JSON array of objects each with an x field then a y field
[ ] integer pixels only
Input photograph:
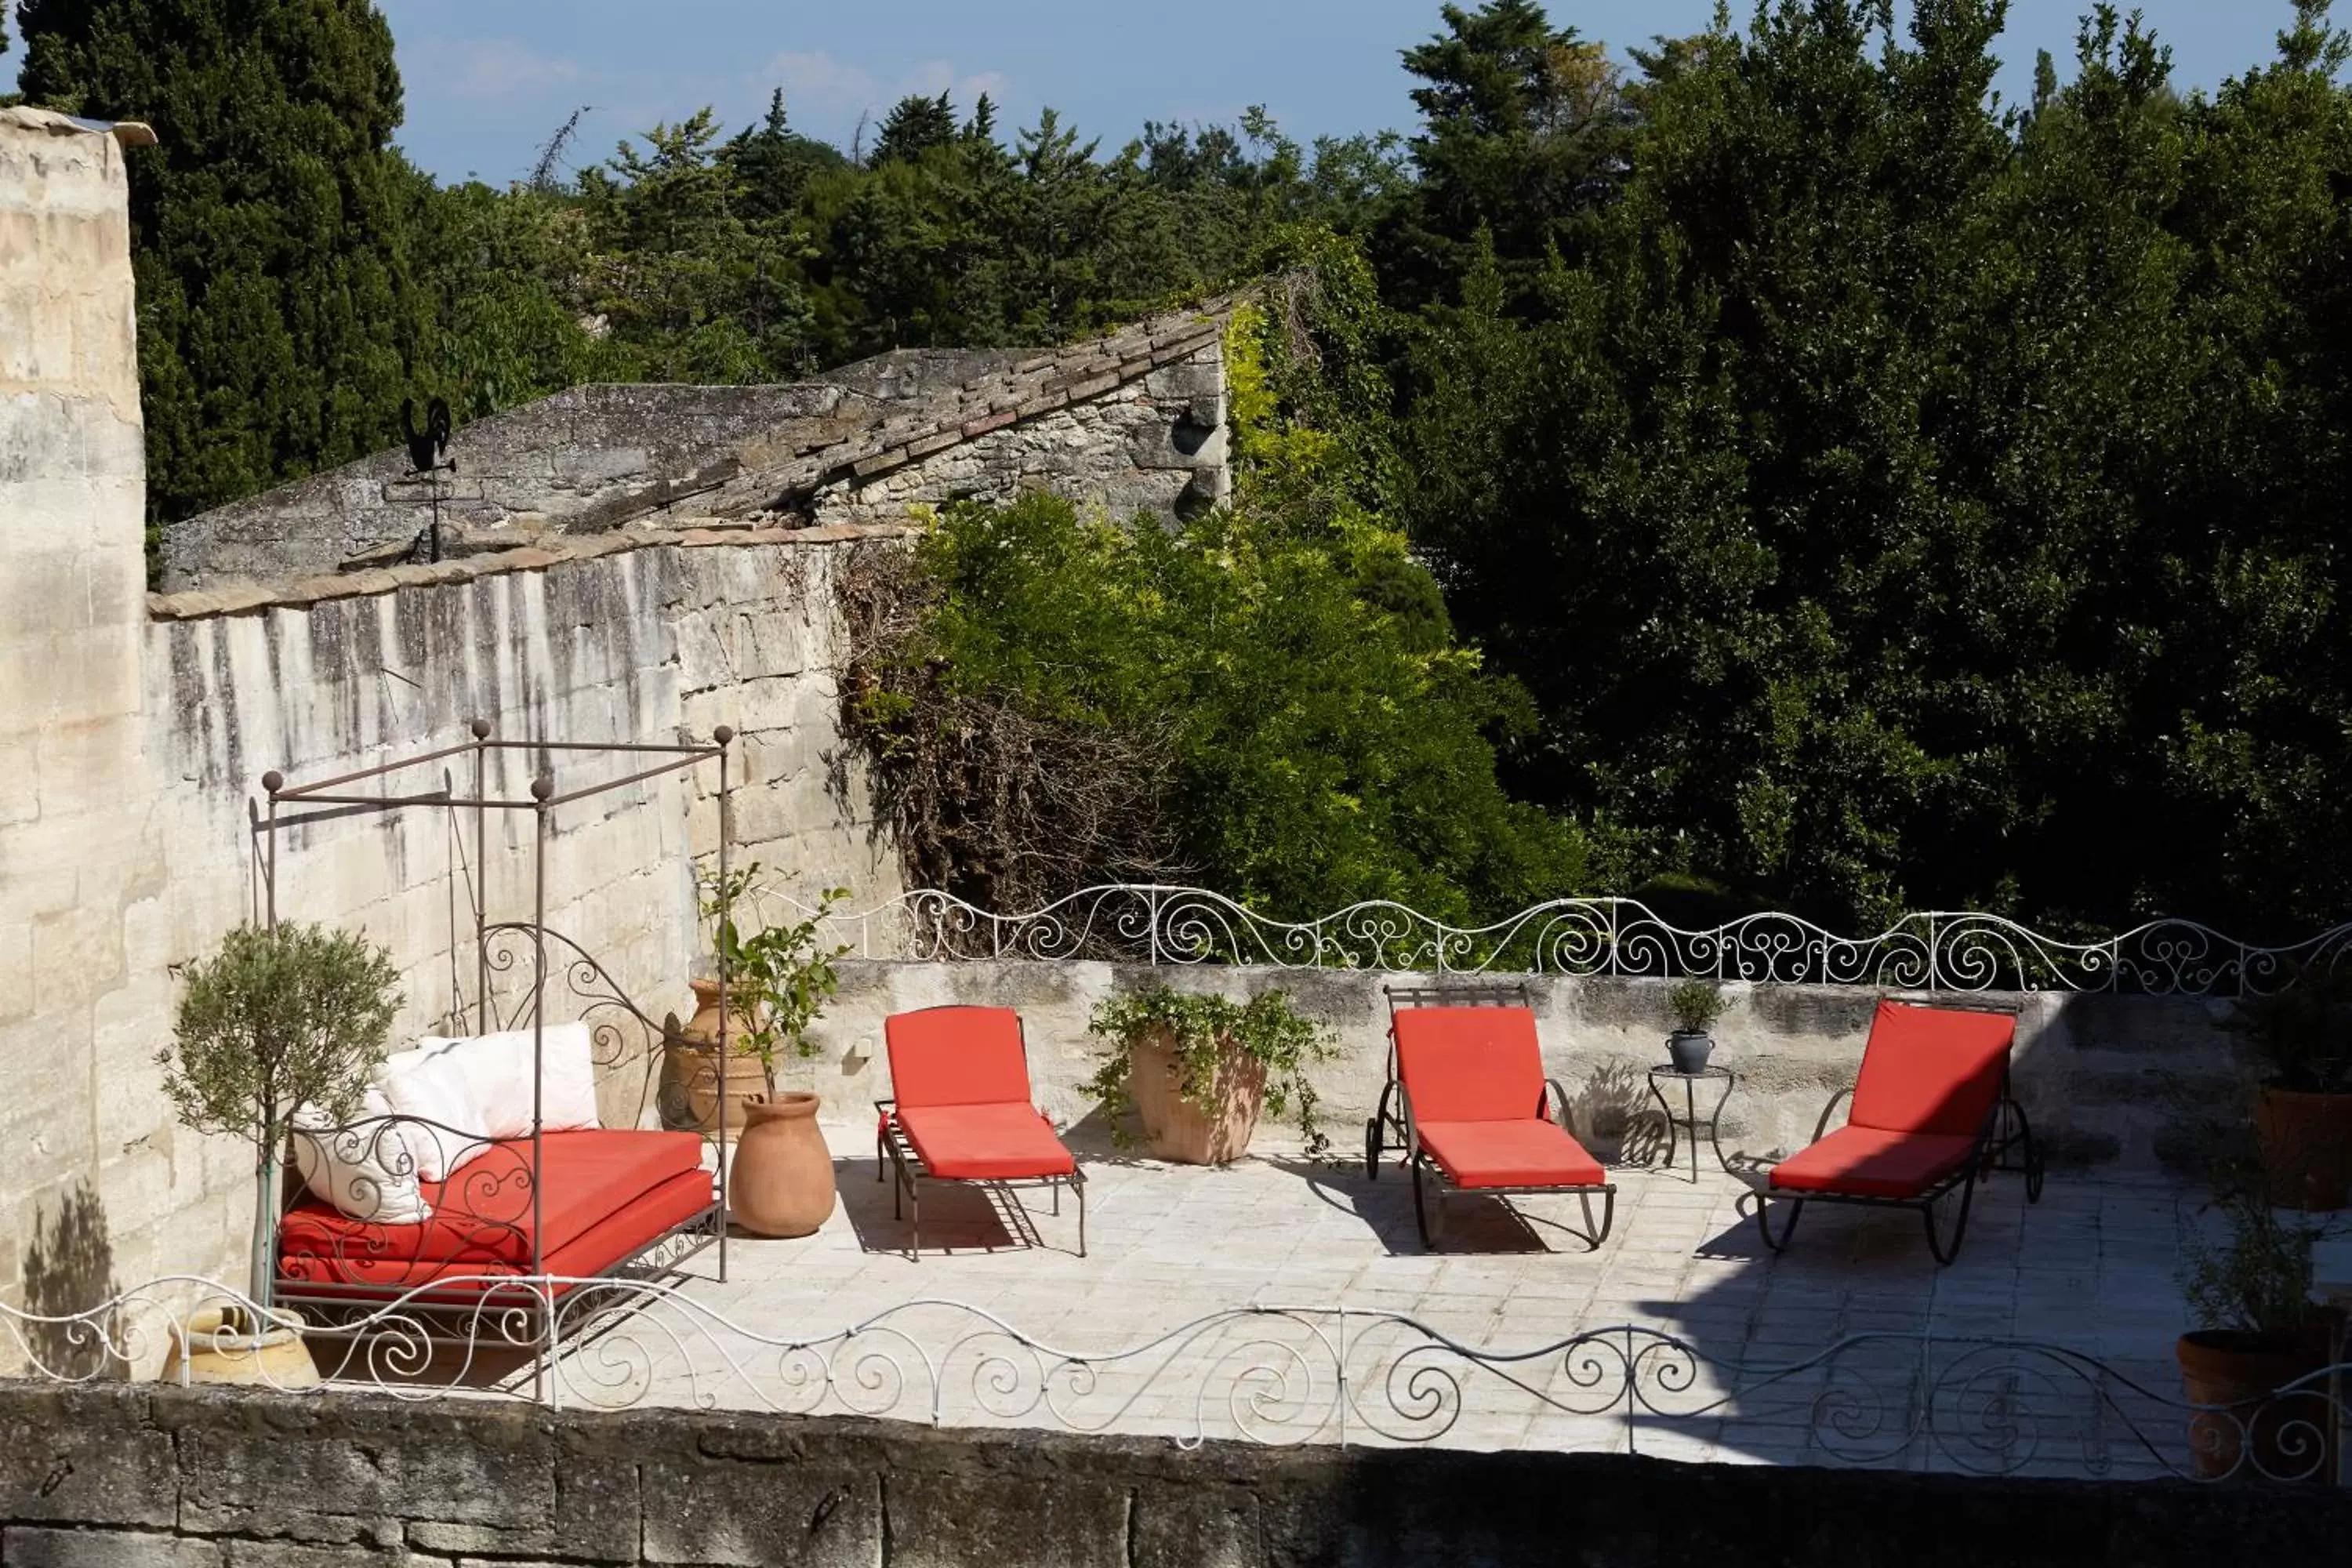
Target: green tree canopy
[{"x": 280, "y": 313}]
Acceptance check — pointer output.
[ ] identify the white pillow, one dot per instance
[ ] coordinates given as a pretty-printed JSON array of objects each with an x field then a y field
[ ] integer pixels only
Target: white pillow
[
  {"x": 430, "y": 1086},
  {"x": 496, "y": 1069},
  {"x": 478, "y": 1088},
  {"x": 367, "y": 1170}
]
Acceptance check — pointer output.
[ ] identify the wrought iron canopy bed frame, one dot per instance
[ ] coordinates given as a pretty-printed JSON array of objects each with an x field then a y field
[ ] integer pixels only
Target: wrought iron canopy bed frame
[{"x": 523, "y": 1310}]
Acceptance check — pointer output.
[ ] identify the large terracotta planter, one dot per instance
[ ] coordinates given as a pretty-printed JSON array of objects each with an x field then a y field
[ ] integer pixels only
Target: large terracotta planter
[
  {"x": 217, "y": 1345},
  {"x": 696, "y": 1086},
  {"x": 1179, "y": 1131},
  {"x": 781, "y": 1183},
  {"x": 2285, "y": 1439},
  {"x": 2306, "y": 1142}
]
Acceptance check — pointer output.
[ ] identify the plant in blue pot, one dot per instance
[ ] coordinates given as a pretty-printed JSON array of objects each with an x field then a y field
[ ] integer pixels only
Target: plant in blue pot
[{"x": 1695, "y": 1005}]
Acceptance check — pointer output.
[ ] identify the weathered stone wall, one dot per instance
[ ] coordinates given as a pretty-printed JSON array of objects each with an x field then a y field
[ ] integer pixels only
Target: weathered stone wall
[
  {"x": 1156, "y": 444},
  {"x": 2102, "y": 1078},
  {"x": 82, "y": 848},
  {"x": 585, "y": 459},
  {"x": 158, "y": 1478},
  {"x": 134, "y": 729},
  {"x": 1130, "y": 423}
]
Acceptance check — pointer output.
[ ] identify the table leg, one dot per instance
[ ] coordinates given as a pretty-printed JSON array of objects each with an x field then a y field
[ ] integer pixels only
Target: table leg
[
  {"x": 1667, "y": 1115},
  {"x": 1690, "y": 1109}
]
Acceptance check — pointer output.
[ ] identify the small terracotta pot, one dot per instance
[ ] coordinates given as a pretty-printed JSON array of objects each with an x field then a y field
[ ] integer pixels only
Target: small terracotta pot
[
  {"x": 1178, "y": 1130},
  {"x": 781, "y": 1183},
  {"x": 2307, "y": 1143},
  {"x": 696, "y": 1087},
  {"x": 2285, "y": 1439},
  {"x": 218, "y": 1345}
]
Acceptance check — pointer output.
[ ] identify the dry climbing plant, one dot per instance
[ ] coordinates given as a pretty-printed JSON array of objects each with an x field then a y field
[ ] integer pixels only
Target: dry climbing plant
[{"x": 1004, "y": 809}]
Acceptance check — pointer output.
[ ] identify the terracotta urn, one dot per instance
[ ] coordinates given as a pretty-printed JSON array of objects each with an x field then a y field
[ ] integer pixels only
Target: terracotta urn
[
  {"x": 2253, "y": 1435},
  {"x": 1184, "y": 1132},
  {"x": 781, "y": 1183},
  {"x": 218, "y": 1345},
  {"x": 2306, "y": 1143},
  {"x": 696, "y": 1084}
]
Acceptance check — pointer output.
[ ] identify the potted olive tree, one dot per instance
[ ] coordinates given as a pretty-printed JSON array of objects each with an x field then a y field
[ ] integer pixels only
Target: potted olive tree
[
  {"x": 2258, "y": 1331},
  {"x": 1696, "y": 1005},
  {"x": 280, "y": 1018},
  {"x": 1199, "y": 1070},
  {"x": 2303, "y": 1118},
  {"x": 778, "y": 978}
]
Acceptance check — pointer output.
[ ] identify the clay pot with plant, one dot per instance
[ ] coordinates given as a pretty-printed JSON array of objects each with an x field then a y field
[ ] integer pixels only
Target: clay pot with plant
[
  {"x": 1694, "y": 1006},
  {"x": 1199, "y": 1072},
  {"x": 279, "y": 1019},
  {"x": 779, "y": 976},
  {"x": 2302, "y": 1116},
  {"x": 2259, "y": 1331}
]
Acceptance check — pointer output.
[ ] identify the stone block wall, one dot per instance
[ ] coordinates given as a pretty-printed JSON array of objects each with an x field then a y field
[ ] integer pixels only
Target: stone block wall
[
  {"x": 1129, "y": 423},
  {"x": 82, "y": 838},
  {"x": 157, "y": 1478},
  {"x": 1156, "y": 444},
  {"x": 2104, "y": 1079},
  {"x": 134, "y": 731}
]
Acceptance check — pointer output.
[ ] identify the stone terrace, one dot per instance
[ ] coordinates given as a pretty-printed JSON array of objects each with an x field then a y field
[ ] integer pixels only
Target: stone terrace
[{"x": 2090, "y": 1269}]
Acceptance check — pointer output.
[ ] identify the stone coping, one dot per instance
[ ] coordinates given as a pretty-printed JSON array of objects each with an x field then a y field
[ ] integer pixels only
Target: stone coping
[{"x": 554, "y": 550}]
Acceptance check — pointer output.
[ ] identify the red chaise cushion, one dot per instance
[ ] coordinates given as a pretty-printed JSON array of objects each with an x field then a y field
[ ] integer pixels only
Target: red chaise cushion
[
  {"x": 985, "y": 1142},
  {"x": 1869, "y": 1161},
  {"x": 1473, "y": 1078},
  {"x": 1931, "y": 1069},
  {"x": 1470, "y": 1063},
  {"x": 1526, "y": 1152},
  {"x": 603, "y": 1194},
  {"x": 957, "y": 1056}
]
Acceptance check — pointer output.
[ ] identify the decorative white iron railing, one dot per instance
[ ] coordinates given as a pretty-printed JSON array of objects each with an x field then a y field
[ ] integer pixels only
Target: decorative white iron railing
[
  {"x": 1268, "y": 1375},
  {"x": 1938, "y": 950}
]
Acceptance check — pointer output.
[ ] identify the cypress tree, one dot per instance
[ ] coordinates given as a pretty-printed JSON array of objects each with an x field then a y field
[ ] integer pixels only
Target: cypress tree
[{"x": 279, "y": 320}]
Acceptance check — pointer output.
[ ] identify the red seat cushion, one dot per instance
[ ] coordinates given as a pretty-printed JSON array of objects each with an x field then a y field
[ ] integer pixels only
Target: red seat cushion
[
  {"x": 1521, "y": 1152},
  {"x": 603, "y": 1194},
  {"x": 1872, "y": 1163},
  {"x": 1931, "y": 1069},
  {"x": 957, "y": 1056},
  {"x": 1470, "y": 1063},
  {"x": 985, "y": 1142}
]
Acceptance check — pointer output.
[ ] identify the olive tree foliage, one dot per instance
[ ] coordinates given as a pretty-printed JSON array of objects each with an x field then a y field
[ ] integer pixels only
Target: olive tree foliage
[{"x": 278, "y": 1019}]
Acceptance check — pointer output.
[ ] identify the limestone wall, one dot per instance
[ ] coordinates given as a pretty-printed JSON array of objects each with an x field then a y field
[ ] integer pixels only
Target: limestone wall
[
  {"x": 86, "y": 899},
  {"x": 134, "y": 731},
  {"x": 1154, "y": 445},
  {"x": 1129, "y": 423},
  {"x": 150, "y": 1477},
  {"x": 2104, "y": 1078}
]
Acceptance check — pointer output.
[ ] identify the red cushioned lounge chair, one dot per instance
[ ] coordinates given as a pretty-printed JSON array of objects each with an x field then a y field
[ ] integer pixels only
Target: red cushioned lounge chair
[
  {"x": 962, "y": 1111},
  {"x": 1479, "y": 1115},
  {"x": 1932, "y": 1110}
]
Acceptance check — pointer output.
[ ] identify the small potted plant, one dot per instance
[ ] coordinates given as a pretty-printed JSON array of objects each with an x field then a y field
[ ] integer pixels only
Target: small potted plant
[
  {"x": 1695, "y": 1005},
  {"x": 1199, "y": 1070},
  {"x": 779, "y": 978},
  {"x": 279, "y": 1019},
  {"x": 2303, "y": 1118},
  {"x": 2260, "y": 1331}
]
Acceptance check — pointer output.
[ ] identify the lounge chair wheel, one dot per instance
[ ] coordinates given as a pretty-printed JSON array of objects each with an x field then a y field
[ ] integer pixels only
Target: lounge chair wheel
[
  {"x": 1373, "y": 1150},
  {"x": 1428, "y": 1207}
]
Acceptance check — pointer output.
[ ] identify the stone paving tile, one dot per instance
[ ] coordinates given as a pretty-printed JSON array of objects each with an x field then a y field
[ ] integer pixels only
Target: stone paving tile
[{"x": 2091, "y": 1267}]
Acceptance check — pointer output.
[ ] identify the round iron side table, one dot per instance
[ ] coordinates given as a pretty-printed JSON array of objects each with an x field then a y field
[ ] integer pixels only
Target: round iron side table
[{"x": 1662, "y": 1076}]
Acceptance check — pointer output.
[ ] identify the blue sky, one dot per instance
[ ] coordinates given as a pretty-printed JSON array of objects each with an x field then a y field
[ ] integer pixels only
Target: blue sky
[{"x": 488, "y": 80}]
